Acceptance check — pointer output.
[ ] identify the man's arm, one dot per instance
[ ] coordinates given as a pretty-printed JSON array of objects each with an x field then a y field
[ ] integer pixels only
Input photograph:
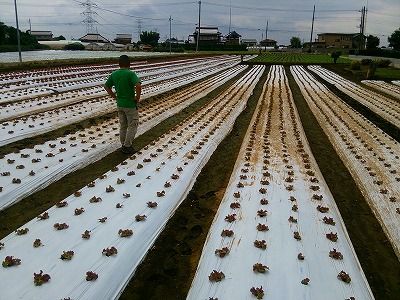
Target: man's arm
[
  {"x": 138, "y": 90},
  {"x": 110, "y": 92}
]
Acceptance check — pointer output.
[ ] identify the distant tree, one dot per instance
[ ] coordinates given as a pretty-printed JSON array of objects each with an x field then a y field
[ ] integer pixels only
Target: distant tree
[
  {"x": 59, "y": 38},
  {"x": 150, "y": 38},
  {"x": 74, "y": 46},
  {"x": 295, "y": 42},
  {"x": 2, "y": 33},
  {"x": 372, "y": 42},
  {"x": 394, "y": 40}
]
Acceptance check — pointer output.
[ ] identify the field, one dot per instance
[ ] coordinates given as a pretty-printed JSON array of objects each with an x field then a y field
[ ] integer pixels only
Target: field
[
  {"x": 249, "y": 182},
  {"x": 296, "y": 58}
]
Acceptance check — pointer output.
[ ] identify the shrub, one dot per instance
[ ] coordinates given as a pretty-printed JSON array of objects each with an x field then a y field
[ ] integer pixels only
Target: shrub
[
  {"x": 74, "y": 46},
  {"x": 383, "y": 63},
  {"x": 355, "y": 65},
  {"x": 366, "y": 61}
]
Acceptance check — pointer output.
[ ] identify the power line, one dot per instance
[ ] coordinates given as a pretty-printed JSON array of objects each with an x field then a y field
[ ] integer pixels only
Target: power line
[{"x": 278, "y": 9}]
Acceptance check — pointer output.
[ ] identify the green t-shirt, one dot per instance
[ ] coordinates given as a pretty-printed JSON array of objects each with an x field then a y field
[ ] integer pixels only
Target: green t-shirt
[{"x": 124, "y": 81}]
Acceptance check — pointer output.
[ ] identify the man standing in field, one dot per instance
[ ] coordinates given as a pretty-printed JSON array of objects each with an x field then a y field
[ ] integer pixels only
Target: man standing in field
[{"x": 128, "y": 90}]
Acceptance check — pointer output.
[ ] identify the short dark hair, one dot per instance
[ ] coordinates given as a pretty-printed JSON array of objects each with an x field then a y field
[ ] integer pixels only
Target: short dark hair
[{"x": 124, "y": 61}]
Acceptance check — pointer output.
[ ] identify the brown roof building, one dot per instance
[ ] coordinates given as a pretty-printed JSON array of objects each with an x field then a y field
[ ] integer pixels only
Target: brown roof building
[
  {"x": 123, "y": 38},
  {"x": 268, "y": 43},
  {"x": 94, "y": 38},
  {"x": 337, "y": 40}
]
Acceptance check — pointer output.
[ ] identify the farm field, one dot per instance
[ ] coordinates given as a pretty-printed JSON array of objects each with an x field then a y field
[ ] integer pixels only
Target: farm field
[
  {"x": 371, "y": 156},
  {"x": 387, "y": 108},
  {"x": 297, "y": 58},
  {"x": 136, "y": 227},
  {"x": 387, "y": 88}
]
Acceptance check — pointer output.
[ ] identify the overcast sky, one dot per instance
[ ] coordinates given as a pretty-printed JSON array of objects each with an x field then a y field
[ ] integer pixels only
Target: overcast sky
[{"x": 286, "y": 18}]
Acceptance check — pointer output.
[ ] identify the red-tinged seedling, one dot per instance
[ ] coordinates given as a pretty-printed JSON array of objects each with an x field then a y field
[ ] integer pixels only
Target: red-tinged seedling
[
  {"x": 91, "y": 276},
  {"x": 261, "y": 244},
  {"x": 262, "y": 213},
  {"x": 322, "y": 209},
  {"x": 332, "y": 236},
  {"x": 227, "y": 232},
  {"x": 86, "y": 235},
  {"x": 37, "y": 243},
  {"x": 10, "y": 261},
  {"x": 43, "y": 216},
  {"x": 61, "y": 226},
  {"x": 110, "y": 251},
  {"x": 140, "y": 218},
  {"x": 329, "y": 221},
  {"x": 40, "y": 278},
  {"x": 125, "y": 232},
  {"x": 335, "y": 254},
  {"x": 260, "y": 268},
  {"x": 343, "y": 276},
  {"x": 222, "y": 252},
  {"x": 262, "y": 227},
  {"x": 67, "y": 255},
  {"x": 216, "y": 276},
  {"x": 230, "y": 218},
  {"x": 257, "y": 292},
  {"x": 22, "y": 231},
  {"x": 103, "y": 220}
]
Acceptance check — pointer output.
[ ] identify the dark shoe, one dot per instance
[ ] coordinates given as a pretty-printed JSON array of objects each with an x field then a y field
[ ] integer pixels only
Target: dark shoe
[{"x": 127, "y": 150}]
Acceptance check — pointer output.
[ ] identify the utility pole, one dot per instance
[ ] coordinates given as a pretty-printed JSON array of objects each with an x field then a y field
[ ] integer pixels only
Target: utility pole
[
  {"x": 139, "y": 24},
  {"x": 266, "y": 36},
  {"x": 312, "y": 28},
  {"x": 18, "y": 37},
  {"x": 30, "y": 27},
  {"x": 362, "y": 24},
  {"x": 198, "y": 32},
  {"x": 363, "y": 28},
  {"x": 230, "y": 19},
  {"x": 170, "y": 19}
]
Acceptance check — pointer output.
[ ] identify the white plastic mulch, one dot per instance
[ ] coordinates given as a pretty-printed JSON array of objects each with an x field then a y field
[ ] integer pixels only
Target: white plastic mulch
[
  {"x": 38, "y": 167},
  {"x": 390, "y": 89},
  {"x": 387, "y": 108},
  {"x": 163, "y": 173},
  {"x": 270, "y": 199},
  {"x": 371, "y": 156},
  {"x": 48, "y": 120}
]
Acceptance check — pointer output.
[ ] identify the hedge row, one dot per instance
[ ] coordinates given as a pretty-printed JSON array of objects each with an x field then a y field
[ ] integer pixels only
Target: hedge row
[{"x": 377, "y": 52}]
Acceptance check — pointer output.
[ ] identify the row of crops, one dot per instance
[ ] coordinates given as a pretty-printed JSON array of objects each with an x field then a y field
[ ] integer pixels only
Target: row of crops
[
  {"x": 293, "y": 58},
  {"x": 277, "y": 234}
]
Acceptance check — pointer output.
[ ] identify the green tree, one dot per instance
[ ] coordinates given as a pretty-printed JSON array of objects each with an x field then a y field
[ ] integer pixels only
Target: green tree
[
  {"x": 372, "y": 42},
  {"x": 295, "y": 42},
  {"x": 150, "y": 38},
  {"x": 2, "y": 33},
  {"x": 394, "y": 40}
]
